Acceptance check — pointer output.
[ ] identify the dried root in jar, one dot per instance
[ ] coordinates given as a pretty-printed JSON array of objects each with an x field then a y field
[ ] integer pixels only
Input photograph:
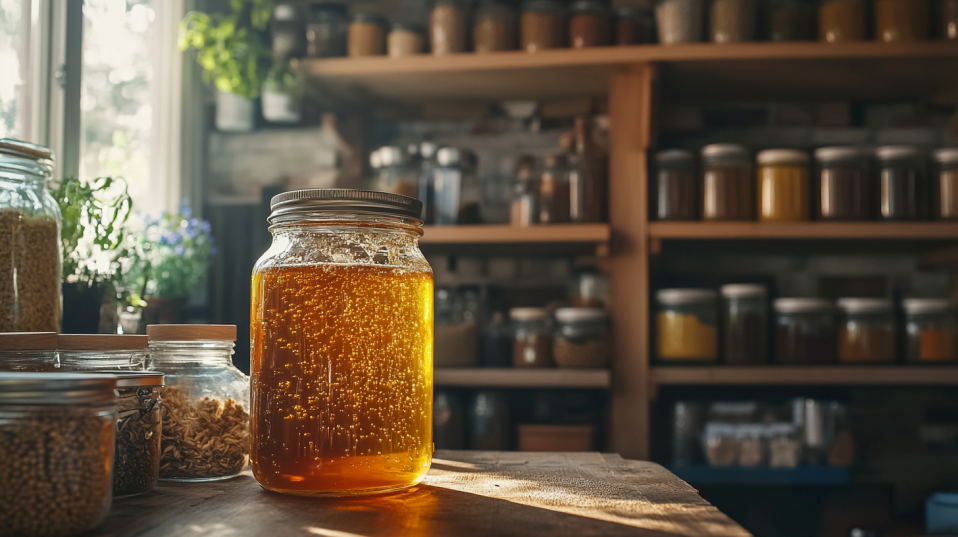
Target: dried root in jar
[{"x": 204, "y": 439}]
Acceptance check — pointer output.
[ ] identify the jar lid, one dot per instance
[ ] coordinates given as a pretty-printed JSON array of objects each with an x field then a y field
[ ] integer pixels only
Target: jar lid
[
  {"x": 865, "y": 305},
  {"x": 684, "y": 296},
  {"x": 343, "y": 200},
  {"x": 18, "y": 148},
  {"x": 893, "y": 152},
  {"x": 771, "y": 157},
  {"x": 528, "y": 314},
  {"x": 391, "y": 156},
  {"x": 333, "y": 7},
  {"x": 453, "y": 156},
  {"x": 56, "y": 388},
  {"x": 683, "y": 156},
  {"x": 101, "y": 342},
  {"x": 839, "y": 153},
  {"x": 28, "y": 341},
  {"x": 581, "y": 315},
  {"x": 724, "y": 151},
  {"x": 927, "y": 305},
  {"x": 136, "y": 379},
  {"x": 589, "y": 6},
  {"x": 371, "y": 18},
  {"x": 799, "y": 305},
  {"x": 734, "y": 290},
  {"x": 191, "y": 332},
  {"x": 947, "y": 155}
]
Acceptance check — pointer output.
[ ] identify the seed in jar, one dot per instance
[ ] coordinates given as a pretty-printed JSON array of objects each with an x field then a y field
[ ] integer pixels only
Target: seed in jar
[
  {"x": 136, "y": 468},
  {"x": 29, "y": 273}
]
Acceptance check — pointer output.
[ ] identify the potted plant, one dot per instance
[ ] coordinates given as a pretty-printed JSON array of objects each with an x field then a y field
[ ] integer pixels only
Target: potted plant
[
  {"x": 234, "y": 53},
  {"x": 282, "y": 94}
]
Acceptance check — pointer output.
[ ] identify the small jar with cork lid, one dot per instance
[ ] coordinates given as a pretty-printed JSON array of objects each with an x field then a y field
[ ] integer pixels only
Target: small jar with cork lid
[
  {"x": 103, "y": 352},
  {"x": 28, "y": 351}
]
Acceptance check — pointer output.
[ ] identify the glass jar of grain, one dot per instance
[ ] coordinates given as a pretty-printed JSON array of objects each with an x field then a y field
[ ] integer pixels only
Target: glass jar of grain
[
  {"x": 733, "y": 21},
  {"x": 783, "y": 185},
  {"x": 727, "y": 183},
  {"x": 679, "y": 21},
  {"x": 945, "y": 185},
  {"x": 28, "y": 351},
  {"x": 543, "y": 25},
  {"x": 29, "y": 240},
  {"x": 494, "y": 27},
  {"x": 841, "y": 21},
  {"x": 583, "y": 338},
  {"x": 686, "y": 325},
  {"x": 367, "y": 35},
  {"x": 901, "y": 20},
  {"x": 447, "y": 27}
]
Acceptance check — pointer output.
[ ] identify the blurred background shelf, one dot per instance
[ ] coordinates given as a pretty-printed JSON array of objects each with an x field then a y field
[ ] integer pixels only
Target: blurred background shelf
[
  {"x": 804, "y": 230},
  {"x": 733, "y": 475},
  {"x": 522, "y": 378},
  {"x": 822, "y": 375}
]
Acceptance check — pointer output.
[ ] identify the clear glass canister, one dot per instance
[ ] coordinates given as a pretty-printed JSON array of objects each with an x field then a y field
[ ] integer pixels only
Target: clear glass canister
[
  {"x": 931, "y": 328},
  {"x": 804, "y": 331},
  {"x": 103, "y": 352},
  {"x": 367, "y": 35},
  {"x": 447, "y": 27},
  {"x": 687, "y": 325},
  {"x": 866, "y": 330},
  {"x": 341, "y": 326},
  {"x": 733, "y": 21},
  {"x": 945, "y": 185},
  {"x": 205, "y": 402},
  {"x": 458, "y": 194},
  {"x": 843, "y": 184},
  {"x": 590, "y": 24},
  {"x": 583, "y": 338},
  {"x": 136, "y": 466},
  {"x": 841, "y": 21},
  {"x": 494, "y": 26},
  {"x": 901, "y": 20},
  {"x": 34, "y": 352},
  {"x": 902, "y": 183},
  {"x": 57, "y": 433},
  {"x": 395, "y": 174},
  {"x": 727, "y": 184},
  {"x": 29, "y": 240},
  {"x": 680, "y": 21},
  {"x": 948, "y": 19},
  {"x": 745, "y": 323},
  {"x": 789, "y": 20},
  {"x": 783, "y": 185},
  {"x": 524, "y": 210},
  {"x": 405, "y": 40},
  {"x": 532, "y": 329},
  {"x": 542, "y": 25},
  {"x": 554, "y": 190},
  {"x": 675, "y": 181},
  {"x": 327, "y": 30},
  {"x": 634, "y": 26}
]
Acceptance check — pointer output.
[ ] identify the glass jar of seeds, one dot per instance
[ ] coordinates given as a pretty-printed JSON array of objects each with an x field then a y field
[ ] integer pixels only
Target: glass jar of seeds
[
  {"x": 28, "y": 351},
  {"x": 136, "y": 466},
  {"x": 29, "y": 240},
  {"x": 103, "y": 352},
  {"x": 56, "y": 452},
  {"x": 205, "y": 402}
]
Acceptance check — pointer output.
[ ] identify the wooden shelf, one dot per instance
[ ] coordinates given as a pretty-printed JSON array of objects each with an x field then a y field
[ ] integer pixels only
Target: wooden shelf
[
  {"x": 522, "y": 378},
  {"x": 496, "y": 234},
  {"x": 804, "y": 230},
  {"x": 821, "y": 375}
]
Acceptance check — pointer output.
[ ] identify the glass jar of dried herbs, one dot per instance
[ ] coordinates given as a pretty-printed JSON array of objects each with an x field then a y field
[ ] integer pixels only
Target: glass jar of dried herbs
[
  {"x": 28, "y": 351},
  {"x": 136, "y": 467}
]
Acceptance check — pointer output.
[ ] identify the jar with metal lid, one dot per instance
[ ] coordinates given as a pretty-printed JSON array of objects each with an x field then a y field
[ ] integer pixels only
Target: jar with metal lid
[
  {"x": 532, "y": 329},
  {"x": 783, "y": 185},
  {"x": 583, "y": 338},
  {"x": 554, "y": 190},
  {"x": 789, "y": 20},
  {"x": 679, "y": 21},
  {"x": 902, "y": 183},
  {"x": 327, "y": 29},
  {"x": 727, "y": 183},
  {"x": 841, "y": 21},
  {"x": 843, "y": 184},
  {"x": 341, "y": 326},
  {"x": 931, "y": 330},
  {"x": 29, "y": 240},
  {"x": 458, "y": 194},
  {"x": 804, "y": 331},
  {"x": 945, "y": 184},
  {"x": 901, "y": 20},
  {"x": 136, "y": 466},
  {"x": 590, "y": 24},
  {"x": 634, "y": 26},
  {"x": 367, "y": 35},
  {"x": 494, "y": 26},
  {"x": 447, "y": 27},
  {"x": 405, "y": 40},
  {"x": 205, "y": 402},
  {"x": 866, "y": 330},
  {"x": 103, "y": 352},
  {"x": 675, "y": 181},
  {"x": 57, "y": 432},
  {"x": 733, "y": 21},
  {"x": 33, "y": 352},
  {"x": 744, "y": 324},
  {"x": 542, "y": 25},
  {"x": 948, "y": 19},
  {"x": 395, "y": 174},
  {"x": 289, "y": 32},
  {"x": 687, "y": 325}
]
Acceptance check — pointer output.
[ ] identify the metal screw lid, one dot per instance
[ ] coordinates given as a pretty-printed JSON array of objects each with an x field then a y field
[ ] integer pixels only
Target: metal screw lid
[
  {"x": 56, "y": 388},
  {"x": 341, "y": 200},
  {"x": 18, "y": 148}
]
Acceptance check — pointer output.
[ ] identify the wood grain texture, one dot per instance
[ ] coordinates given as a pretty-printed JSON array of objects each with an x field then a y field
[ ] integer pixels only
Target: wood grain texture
[
  {"x": 510, "y": 377},
  {"x": 498, "y": 234},
  {"x": 804, "y": 230},
  {"x": 465, "y": 494},
  {"x": 863, "y": 375}
]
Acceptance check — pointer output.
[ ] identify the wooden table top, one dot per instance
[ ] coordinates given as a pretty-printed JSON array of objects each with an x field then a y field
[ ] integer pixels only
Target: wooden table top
[{"x": 466, "y": 493}]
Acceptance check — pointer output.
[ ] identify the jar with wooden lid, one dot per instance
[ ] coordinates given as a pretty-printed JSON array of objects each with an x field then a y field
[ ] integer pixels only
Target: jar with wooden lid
[
  {"x": 948, "y": 19},
  {"x": 945, "y": 184},
  {"x": 902, "y": 183},
  {"x": 57, "y": 431},
  {"x": 103, "y": 352},
  {"x": 136, "y": 467},
  {"x": 727, "y": 184},
  {"x": 532, "y": 344},
  {"x": 745, "y": 324},
  {"x": 367, "y": 35},
  {"x": 675, "y": 185},
  {"x": 841, "y": 21},
  {"x": 931, "y": 330},
  {"x": 866, "y": 330},
  {"x": 327, "y": 30},
  {"x": 28, "y": 351},
  {"x": 634, "y": 26},
  {"x": 901, "y": 20},
  {"x": 843, "y": 184},
  {"x": 783, "y": 185},
  {"x": 494, "y": 26},
  {"x": 341, "y": 326},
  {"x": 29, "y": 240},
  {"x": 789, "y": 20},
  {"x": 583, "y": 338},
  {"x": 405, "y": 40},
  {"x": 804, "y": 331},
  {"x": 679, "y": 21},
  {"x": 542, "y": 25},
  {"x": 733, "y": 21},
  {"x": 447, "y": 27},
  {"x": 205, "y": 402},
  {"x": 590, "y": 24},
  {"x": 687, "y": 325}
]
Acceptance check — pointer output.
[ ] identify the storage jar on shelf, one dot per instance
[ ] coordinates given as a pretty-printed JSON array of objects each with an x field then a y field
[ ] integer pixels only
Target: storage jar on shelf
[
  {"x": 447, "y": 27},
  {"x": 583, "y": 338},
  {"x": 843, "y": 184},
  {"x": 494, "y": 26},
  {"x": 103, "y": 352},
  {"x": 405, "y": 40},
  {"x": 866, "y": 330},
  {"x": 948, "y": 19},
  {"x": 634, "y": 26},
  {"x": 841, "y": 21},
  {"x": 590, "y": 24},
  {"x": 136, "y": 467},
  {"x": 679, "y": 21},
  {"x": 945, "y": 184},
  {"x": 745, "y": 324},
  {"x": 931, "y": 330},
  {"x": 902, "y": 183},
  {"x": 457, "y": 190},
  {"x": 554, "y": 190},
  {"x": 675, "y": 180},
  {"x": 395, "y": 174},
  {"x": 783, "y": 185},
  {"x": 327, "y": 30},
  {"x": 33, "y": 352},
  {"x": 804, "y": 331},
  {"x": 542, "y": 25},
  {"x": 901, "y": 20},
  {"x": 367, "y": 35},
  {"x": 532, "y": 329},
  {"x": 727, "y": 183},
  {"x": 288, "y": 31},
  {"x": 687, "y": 325},
  {"x": 789, "y": 20},
  {"x": 733, "y": 21}
]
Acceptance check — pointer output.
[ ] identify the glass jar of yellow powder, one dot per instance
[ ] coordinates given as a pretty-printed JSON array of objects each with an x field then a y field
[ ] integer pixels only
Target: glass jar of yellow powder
[
  {"x": 783, "y": 185},
  {"x": 686, "y": 325}
]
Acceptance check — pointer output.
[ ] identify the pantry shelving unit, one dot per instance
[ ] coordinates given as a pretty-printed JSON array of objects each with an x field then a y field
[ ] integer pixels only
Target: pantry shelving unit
[{"x": 634, "y": 81}]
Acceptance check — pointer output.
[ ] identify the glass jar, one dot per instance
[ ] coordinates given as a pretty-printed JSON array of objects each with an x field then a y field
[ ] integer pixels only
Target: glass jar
[
  {"x": 590, "y": 24},
  {"x": 902, "y": 183},
  {"x": 405, "y": 40},
  {"x": 679, "y": 21},
  {"x": 687, "y": 325},
  {"x": 675, "y": 185},
  {"x": 901, "y": 20},
  {"x": 843, "y": 184},
  {"x": 866, "y": 331},
  {"x": 342, "y": 357},
  {"x": 733, "y": 21},
  {"x": 494, "y": 26},
  {"x": 583, "y": 338},
  {"x": 789, "y": 20},
  {"x": 804, "y": 331},
  {"x": 456, "y": 331},
  {"x": 427, "y": 181},
  {"x": 590, "y": 290},
  {"x": 948, "y": 19},
  {"x": 447, "y": 27},
  {"x": 57, "y": 431},
  {"x": 103, "y": 352},
  {"x": 783, "y": 185},
  {"x": 448, "y": 421},
  {"x": 841, "y": 21},
  {"x": 542, "y": 26},
  {"x": 524, "y": 210},
  {"x": 458, "y": 195},
  {"x": 554, "y": 191},
  {"x": 532, "y": 329},
  {"x": 34, "y": 352},
  {"x": 289, "y": 33},
  {"x": 395, "y": 175},
  {"x": 136, "y": 466},
  {"x": 931, "y": 330},
  {"x": 727, "y": 183},
  {"x": 327, "y": 30},
  {"x": 204, "y": 393},
  {"x": 945, "y": 187},
  {"x": 29, "y": 240},
  {"x": 745, "y": 324},
  {"x": 367, "y": 35},
  {"x": 634, "y": 26}
]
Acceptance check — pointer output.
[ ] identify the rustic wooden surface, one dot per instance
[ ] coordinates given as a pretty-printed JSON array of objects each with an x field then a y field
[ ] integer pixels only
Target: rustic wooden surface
[{"x": 465, "y": 494}]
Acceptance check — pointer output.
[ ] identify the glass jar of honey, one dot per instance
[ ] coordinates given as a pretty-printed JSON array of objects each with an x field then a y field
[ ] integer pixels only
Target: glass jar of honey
[{"x": 342, "y": 346}]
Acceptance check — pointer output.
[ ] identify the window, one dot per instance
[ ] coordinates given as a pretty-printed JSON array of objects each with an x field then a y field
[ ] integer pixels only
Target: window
[{"x": 11, "y": 82}]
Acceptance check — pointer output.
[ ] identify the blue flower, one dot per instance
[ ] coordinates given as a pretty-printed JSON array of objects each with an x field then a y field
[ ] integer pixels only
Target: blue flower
[
  {"x": 205, "y": 227},
  {"x": 179, "y": 249}
]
